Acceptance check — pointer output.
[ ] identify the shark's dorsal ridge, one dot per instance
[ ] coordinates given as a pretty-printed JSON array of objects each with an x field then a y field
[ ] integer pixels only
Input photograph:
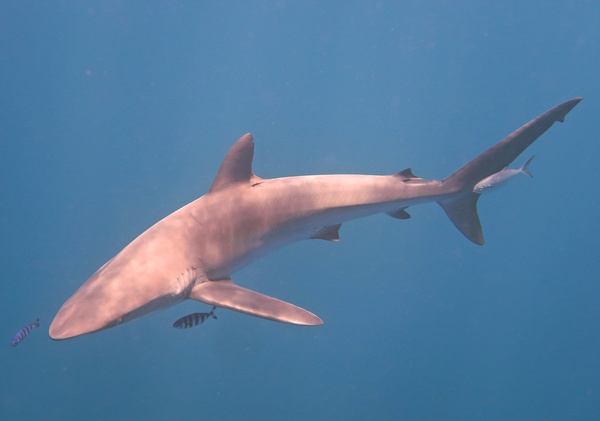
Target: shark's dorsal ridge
[{"x": 237, "y": 164}]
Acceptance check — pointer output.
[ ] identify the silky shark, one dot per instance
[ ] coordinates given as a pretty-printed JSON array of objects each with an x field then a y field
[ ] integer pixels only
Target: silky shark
[{"x": 193, "y": 252}]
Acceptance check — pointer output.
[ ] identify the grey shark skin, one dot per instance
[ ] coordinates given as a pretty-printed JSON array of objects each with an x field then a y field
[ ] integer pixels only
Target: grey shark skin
[{"x": 192, "y": 253}]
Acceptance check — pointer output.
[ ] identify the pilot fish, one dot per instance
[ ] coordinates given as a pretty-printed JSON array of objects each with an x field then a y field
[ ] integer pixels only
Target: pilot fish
[
  {"x": 23, "y": 332},
  {"x": 194, "y": 319}
]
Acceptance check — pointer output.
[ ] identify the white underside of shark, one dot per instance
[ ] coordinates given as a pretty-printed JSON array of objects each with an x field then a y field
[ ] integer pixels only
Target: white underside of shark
[{"x": 192, "y": 253}]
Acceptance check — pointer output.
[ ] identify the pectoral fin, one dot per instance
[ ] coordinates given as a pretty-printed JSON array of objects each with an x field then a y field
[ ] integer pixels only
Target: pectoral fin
[{"x": 224, "y": 293}]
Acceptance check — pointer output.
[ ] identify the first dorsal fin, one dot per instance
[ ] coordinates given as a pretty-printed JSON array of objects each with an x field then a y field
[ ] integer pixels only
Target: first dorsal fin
[{"x": 237, "y": 165}]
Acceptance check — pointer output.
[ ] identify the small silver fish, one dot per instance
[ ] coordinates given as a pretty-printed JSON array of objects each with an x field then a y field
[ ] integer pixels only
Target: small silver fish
[
  {"x": 500, "y": 178},
  {"x": 23, "y": 332}
]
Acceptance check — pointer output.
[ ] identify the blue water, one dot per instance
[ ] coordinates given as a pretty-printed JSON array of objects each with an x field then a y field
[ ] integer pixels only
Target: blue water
[{"x": 113, "y": 114}]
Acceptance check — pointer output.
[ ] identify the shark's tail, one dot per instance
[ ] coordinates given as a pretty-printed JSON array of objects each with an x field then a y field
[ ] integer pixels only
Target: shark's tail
[{"x": 460, "y": 203}]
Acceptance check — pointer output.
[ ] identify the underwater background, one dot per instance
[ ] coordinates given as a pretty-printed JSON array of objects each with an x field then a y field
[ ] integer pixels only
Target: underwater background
[{"x": 113, "y": 114}]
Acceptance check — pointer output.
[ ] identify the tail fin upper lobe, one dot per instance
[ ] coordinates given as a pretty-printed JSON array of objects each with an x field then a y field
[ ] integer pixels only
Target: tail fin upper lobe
[{"x": 461, "y": 205}]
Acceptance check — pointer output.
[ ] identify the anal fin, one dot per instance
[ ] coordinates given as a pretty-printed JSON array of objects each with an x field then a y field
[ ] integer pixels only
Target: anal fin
[
  {"x": 399, "y": 213},
  {"x": 224, "y": 293},
  {"x": 331, "y": 233}
]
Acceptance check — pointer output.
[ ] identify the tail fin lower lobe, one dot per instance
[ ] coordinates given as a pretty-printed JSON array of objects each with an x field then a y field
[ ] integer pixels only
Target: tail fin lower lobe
[
  {"x": 462, "y": 211},
  {"x": 461, "y": 204}
]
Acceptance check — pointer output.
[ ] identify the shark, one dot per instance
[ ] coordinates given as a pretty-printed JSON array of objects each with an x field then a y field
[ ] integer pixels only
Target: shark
[{"x": 193, "y": 252}]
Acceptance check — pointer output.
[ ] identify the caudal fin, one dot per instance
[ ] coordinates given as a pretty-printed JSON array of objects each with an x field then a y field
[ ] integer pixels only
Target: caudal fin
[
  {"x": 460, "y": 203},
  {"x": 524, "y": 169}
]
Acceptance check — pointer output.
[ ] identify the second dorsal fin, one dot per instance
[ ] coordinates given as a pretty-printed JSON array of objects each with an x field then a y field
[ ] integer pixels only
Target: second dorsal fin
[{"x": 406, "y": 174}]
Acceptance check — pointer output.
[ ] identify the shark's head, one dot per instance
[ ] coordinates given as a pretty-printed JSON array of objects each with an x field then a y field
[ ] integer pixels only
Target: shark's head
[
  {"x": 119, "y": 291},
  {"x": 80, "y": 315},
  {"x": 95, "y": 306}
]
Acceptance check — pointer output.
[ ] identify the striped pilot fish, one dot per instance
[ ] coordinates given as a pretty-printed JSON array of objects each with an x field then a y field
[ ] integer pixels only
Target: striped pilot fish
[
  {"x": 194, "y": 319},
  {"x": 500, "y": 178},
  {"x": 23, "y": 332}
]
